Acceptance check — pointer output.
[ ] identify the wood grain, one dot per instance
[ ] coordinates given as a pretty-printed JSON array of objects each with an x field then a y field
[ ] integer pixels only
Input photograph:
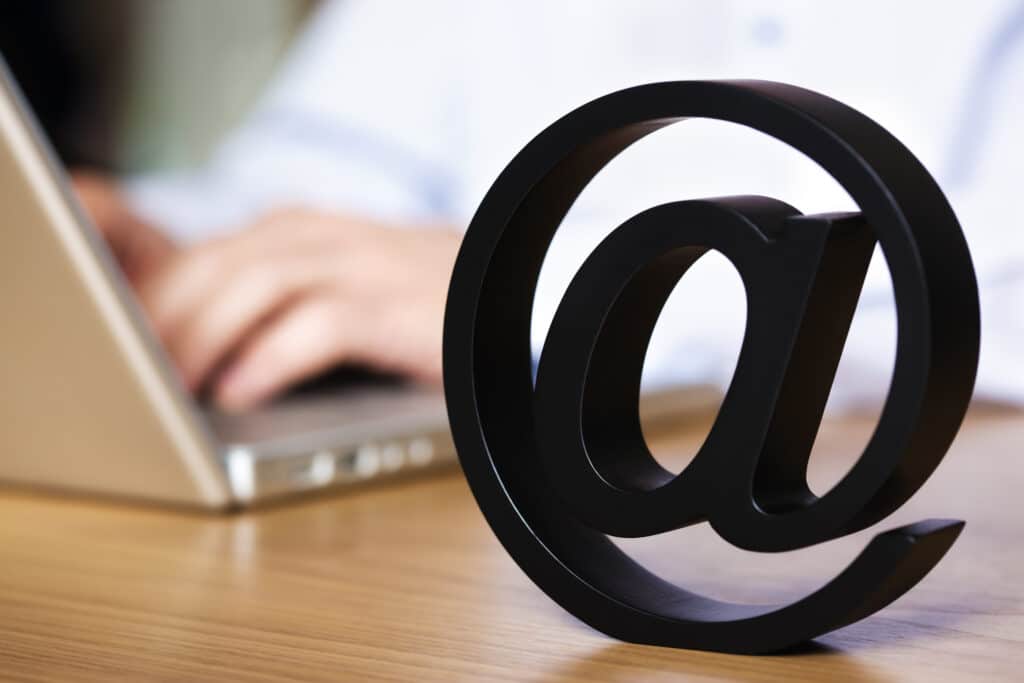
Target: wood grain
[{"x": 407, "y": 583}]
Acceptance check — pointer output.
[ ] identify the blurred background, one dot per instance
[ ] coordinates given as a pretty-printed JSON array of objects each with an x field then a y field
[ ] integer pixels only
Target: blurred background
[
  {"x": 133, "y": 87},
  {"x": 113, "y": 81}
]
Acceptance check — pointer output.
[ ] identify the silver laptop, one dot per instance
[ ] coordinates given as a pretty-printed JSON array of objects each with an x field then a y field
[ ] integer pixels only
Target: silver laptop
[{"x": 89, "y": 401}]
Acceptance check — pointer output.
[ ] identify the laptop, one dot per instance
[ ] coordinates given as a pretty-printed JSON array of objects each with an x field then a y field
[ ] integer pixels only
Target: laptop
[{"x": 89, "y": 400}]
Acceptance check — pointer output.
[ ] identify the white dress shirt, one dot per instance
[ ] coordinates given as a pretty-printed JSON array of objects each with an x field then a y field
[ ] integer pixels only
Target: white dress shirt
[{"x": 409, "y": 110}]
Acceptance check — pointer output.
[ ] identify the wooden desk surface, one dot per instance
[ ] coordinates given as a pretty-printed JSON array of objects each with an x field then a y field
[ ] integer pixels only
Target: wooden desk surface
[{"x": 407, "y": 583}]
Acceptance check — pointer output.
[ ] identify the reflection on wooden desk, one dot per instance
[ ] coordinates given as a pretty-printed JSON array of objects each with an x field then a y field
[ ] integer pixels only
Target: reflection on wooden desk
[{"x": 408, "y": 583}]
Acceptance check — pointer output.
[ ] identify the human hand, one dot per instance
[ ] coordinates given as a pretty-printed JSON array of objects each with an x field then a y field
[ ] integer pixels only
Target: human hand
[
  {"x": 296, "y": 293},
  {"x": 140, "y": 248},
  {"x": 275, "y": 303}
]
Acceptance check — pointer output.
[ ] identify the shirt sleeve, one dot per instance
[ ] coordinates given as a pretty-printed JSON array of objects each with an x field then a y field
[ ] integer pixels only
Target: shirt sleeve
[{"x": 357, "y": 119}]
